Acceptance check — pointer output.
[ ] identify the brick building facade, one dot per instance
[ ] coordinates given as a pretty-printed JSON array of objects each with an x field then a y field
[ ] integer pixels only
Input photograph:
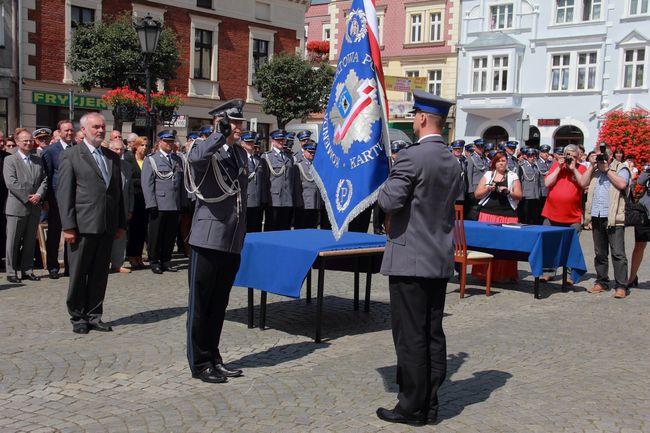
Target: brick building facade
[{"x": 229, "y": 36}]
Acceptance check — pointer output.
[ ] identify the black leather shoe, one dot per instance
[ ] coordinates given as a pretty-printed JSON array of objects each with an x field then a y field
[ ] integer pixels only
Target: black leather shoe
[
  {"x": 54, "y": 275},
  {"x": 432, "y": 417},
  {"x": 227, "y": 371},
  {"x": 31, "y": 277},
  {"x": 13, "y": 279},
  {"x": 389, "y": 415},
  {"x": 101, "y": 327},
  {"x": 210, "y": 375},
  {"x": 80, "y": 328},
  {"x": 156, "y": 269},
  {"x": 170, "y": 268}
]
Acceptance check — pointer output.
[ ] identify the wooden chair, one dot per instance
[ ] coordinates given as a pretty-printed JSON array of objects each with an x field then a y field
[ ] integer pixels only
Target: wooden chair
[{"x": 465, "y": 257}]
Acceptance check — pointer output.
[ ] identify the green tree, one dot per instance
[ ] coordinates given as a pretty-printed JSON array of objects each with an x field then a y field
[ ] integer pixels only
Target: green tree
[
  {"x": 107, "y": 54},
  {"x": 292, "y": 88}
]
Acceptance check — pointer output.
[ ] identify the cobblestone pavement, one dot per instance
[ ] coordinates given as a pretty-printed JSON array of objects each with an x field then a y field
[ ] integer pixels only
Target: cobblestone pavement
[{"x": 571, "y": 362}]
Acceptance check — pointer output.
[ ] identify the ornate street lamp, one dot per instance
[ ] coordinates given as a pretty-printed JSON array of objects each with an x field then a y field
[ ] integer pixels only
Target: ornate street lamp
[{"x": 148, "y": 31}]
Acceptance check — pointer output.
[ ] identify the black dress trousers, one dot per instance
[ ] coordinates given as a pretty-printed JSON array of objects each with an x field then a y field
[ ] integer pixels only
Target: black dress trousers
[
  {"x": 89, "y": 257},
  {"x": 278, "y": 218},
  {"x": 211, "y": 275},
  {"x": 417, "y": 306},
  {"x": 162, "y": 236}
]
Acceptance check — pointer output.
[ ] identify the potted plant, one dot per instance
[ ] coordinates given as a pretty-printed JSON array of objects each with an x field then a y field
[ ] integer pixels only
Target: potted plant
[
  {"x": 166, "y": 104},
  {"x": 125, "y": 103}
]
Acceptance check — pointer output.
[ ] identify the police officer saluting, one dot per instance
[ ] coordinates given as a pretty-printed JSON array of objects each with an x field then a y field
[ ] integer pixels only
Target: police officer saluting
[
  {"x": 218, "y": 177},
  {"x": 256, "y": 191},
  {"x": 279, "y": 177},
  {"x": 419, "y": 197},
  {"x": 164, "y": 197},
  {"x": 308, "y": 202}
]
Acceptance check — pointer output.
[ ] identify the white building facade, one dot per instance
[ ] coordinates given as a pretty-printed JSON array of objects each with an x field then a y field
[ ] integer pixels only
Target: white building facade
[{"x": 547, "y": 72}]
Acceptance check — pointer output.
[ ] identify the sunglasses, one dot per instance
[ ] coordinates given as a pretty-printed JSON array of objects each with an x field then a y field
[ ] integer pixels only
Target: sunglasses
[{"x": 10, "y": 145}]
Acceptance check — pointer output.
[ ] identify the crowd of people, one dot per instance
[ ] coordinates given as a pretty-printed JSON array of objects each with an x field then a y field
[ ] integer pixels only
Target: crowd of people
[{"x": 507, "y": 183}]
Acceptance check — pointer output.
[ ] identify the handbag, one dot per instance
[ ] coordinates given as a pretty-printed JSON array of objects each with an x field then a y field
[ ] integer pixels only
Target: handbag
[{"x": 635, "y": 213}]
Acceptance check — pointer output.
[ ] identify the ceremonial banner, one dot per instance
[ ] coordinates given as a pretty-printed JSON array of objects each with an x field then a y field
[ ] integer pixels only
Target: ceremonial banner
[{"x": 351, "y": 161}]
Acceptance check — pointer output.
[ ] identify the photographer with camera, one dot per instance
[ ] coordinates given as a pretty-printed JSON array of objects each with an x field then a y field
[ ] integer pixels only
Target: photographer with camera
[
  {"x": 563, "y": 206},
  {"x": 641, "y": 233},
  {"x": 608, "y": 185},
  {"x": 217, "y": 174}
]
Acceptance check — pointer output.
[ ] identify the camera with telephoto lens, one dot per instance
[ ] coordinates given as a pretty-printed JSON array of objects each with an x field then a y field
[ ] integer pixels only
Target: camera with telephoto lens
[{"x": 568, "y": 160}]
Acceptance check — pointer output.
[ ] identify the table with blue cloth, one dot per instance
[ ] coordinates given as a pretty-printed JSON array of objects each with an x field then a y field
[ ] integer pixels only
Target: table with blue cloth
[
  {"x": 278, "y": 262},
  {"x": 543, "y": 247}
]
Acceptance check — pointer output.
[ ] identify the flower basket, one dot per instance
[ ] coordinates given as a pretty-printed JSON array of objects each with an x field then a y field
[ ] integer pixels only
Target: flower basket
[
  {"x": 124, "y": 113},
  {"x": 171, "y": 100},
  {"x": 124, "y": 97},
  {"x": 166, "y": 114}
]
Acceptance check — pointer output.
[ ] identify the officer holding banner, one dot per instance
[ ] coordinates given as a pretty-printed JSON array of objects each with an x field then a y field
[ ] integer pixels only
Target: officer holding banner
[
  {"x": 218, "y": 177},
  {"x": 419, "y": 198}
]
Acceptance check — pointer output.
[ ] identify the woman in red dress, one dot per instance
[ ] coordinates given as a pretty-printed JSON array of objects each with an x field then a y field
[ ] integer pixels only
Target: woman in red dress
[{"x": 498, "y": 192}]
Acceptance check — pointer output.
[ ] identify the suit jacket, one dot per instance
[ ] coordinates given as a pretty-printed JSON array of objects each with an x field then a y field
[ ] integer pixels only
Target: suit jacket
[
  {"x": 164, "y": 194},
  {"x": 218, "y": 226},
  {"x": 85, "y": 203},
  {"x": 257, "y": 191},
  {"x": 419, "y": 195},
  {"x": 3, "y": 185},
  {"x": 23, "y": 180},
  {"x": 51, "y": 162},
  {"x": 306, "y": 193},
  {"x": 279, "y": 188}
]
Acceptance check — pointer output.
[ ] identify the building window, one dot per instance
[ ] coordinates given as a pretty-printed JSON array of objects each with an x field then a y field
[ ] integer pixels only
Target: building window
[
  {"x": 564, "y": 11},
  {"x": 501, "y": 17},
  {"x": 500, "y": 73},
  {"x": 327, "y": 32},
  {"x": 202, "y": 54},
  {"x": 204, "y": 3},
  {"x": 479, "y": 74},
  {"x": 416, "y": 28},
  {"x": 560, "y": 72},
  {"x": 591, "y": 10},
  {"x": 587, "y": 70},
  {"x": 435, "y": 82},
  {"x": 380, "y": 27},
  {"x": 260, "y": 55},
  {"x": 81, "y": 17},
  {"x": 435, "y": 26},
  {"x": 633, "y": 68},
  {"x": 411, "y": 74},
  {"x": 638, "y": 7}
]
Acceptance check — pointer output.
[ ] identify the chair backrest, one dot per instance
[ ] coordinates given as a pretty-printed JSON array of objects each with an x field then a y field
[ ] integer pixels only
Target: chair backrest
[{"x": 460, "y": 244}]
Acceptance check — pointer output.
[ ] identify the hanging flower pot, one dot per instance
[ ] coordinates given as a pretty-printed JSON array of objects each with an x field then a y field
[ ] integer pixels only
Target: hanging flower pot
[
  {"x": 166, "y": 114},
  {"x": 124, "y": 113}
]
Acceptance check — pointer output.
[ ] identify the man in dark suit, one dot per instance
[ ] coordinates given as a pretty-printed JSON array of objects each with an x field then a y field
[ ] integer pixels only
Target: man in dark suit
[
  {"x": 164, "y": 196},
  {"x": 51, "y": 162},
  {"x": 219, "y": 179},
  {"x": 27, "y": 184},
  {"x": 419, "y": 198},
  {"x": 89, "y": 194}
]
